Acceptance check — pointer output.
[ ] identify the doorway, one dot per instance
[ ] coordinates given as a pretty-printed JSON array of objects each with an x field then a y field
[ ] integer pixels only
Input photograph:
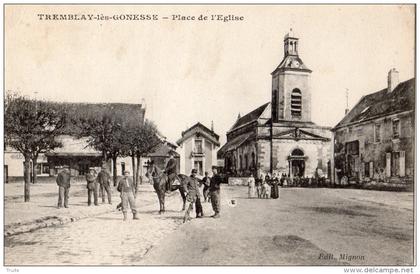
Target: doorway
[
  {"x": 298, "y": 168},
  {"x": 297, "y": 163}
]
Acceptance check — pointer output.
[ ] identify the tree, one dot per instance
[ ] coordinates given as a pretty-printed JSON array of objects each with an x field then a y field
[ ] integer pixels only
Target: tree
[
  {"x": 104, "y": 134},
  {"x": 31, "y": 128},
  {"x": 139, "y": 140},
  {"x": 116, "y": 135},
  {"x": 146, "y": 141}
]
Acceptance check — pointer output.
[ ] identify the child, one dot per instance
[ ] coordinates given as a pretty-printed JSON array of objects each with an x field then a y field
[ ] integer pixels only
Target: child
[
  {"x": 127, "y": 189},
  {"x": 266, "y": 190}
]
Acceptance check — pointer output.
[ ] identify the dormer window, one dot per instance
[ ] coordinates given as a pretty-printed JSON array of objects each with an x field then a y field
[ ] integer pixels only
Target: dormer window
[{"x": 296, "y": 103}]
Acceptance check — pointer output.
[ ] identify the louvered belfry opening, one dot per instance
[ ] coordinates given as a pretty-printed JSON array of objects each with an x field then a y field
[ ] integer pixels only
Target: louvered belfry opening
[{"x": 296, "y": 103}]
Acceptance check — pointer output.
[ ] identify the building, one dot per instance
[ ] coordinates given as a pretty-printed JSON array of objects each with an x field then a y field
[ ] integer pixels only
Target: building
[
  {"x": 376, "y": 139},
  {"x": 198, "y": 149},
  {"x": 75, "y": 151},
  {"x": 161, "y": 155},
  {"x": 279, "y": 136}
]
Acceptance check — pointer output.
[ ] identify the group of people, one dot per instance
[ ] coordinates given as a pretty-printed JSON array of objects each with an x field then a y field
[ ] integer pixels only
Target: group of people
[
  {"x": 211, "y": 191},
  {"x": 265, "y": 187},
  {"x": 102, "y": 182},
  {"x": 99, "y": 183},
  {"x": 95, "y": 182}
]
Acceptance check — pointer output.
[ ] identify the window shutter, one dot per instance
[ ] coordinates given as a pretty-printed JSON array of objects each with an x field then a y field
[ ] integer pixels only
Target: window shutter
[
  {"x": 388, "y": 165},
  {"x": 402, "y": 163}
]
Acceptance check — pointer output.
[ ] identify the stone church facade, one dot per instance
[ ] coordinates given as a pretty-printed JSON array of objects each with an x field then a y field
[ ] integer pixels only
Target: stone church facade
[{"x": 279, "y": 136}]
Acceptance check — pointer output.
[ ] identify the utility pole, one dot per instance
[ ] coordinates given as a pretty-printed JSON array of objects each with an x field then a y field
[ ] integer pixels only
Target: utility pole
[
  {"x": 271, "y": 142},
  {"x": 347, "y": 101}
]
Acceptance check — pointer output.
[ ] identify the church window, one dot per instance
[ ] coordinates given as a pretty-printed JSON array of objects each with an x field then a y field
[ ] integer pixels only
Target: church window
[{"x": 296, "y": 103}]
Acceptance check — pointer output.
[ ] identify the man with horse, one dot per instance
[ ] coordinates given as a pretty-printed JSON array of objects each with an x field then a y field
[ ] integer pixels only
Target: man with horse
[
  {"x": 171, "y": 172},
  {"x": 160, "y": 180}
]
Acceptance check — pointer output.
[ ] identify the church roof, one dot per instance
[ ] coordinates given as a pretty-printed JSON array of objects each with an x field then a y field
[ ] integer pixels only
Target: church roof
[
  {"x": 201, "y": 129},
  {"x": 250, "y": 117},
  {"x": 235, "y": 143},
  {"x": 293, "y": 63},
  {"x": 382, "y": 103}
]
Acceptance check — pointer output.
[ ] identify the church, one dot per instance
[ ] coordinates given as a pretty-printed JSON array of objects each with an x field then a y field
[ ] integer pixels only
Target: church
[{"x": 279, "y": 136}]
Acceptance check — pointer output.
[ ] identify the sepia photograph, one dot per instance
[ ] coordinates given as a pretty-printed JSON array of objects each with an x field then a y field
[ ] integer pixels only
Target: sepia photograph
[{"x": 210, "y": 135}]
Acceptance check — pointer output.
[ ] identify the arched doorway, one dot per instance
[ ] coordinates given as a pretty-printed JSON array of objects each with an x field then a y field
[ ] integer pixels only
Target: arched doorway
[{"x": 297, "y": 163}]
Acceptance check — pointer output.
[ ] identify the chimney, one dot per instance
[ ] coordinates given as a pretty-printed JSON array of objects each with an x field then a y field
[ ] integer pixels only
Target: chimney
[
  {"x": 212, "y": 125},
  {"x": 347, "y": 102},
  {"x": 393, "y": 80}
]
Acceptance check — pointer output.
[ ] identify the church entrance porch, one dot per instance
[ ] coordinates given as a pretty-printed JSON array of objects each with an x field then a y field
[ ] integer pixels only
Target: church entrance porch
[{"x": 297, "y": 161}]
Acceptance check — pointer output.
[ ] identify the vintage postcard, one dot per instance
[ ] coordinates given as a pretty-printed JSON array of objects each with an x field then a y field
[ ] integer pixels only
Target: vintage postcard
[{"x": 210, "y": 135}]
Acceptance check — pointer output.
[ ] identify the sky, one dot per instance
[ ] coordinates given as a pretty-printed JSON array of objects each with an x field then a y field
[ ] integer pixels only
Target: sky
[{"x": 203, "y": 71}]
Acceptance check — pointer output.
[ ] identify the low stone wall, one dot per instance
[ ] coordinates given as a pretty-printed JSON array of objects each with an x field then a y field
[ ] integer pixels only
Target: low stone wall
[
  {"x": 239, "y": 181},
  {"x": 387, "y": 184}
]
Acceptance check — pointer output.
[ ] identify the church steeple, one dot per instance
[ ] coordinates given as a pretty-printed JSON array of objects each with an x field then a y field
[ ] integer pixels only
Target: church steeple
[
  {"x": 290, "y": 44},
  {"x": 291, "y": 94},
  {"x": 291, "y": 60}
]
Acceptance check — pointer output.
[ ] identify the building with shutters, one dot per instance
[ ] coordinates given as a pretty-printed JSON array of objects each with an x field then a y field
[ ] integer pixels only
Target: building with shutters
[
  {"x": 198, "y": 149},
  {"x": 375, "y": 141},
  {"x": 280, "y": 136}
]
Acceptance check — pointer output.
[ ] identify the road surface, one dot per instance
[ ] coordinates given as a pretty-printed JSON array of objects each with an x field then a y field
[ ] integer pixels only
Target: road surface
[{"x": 303, "y": 227}]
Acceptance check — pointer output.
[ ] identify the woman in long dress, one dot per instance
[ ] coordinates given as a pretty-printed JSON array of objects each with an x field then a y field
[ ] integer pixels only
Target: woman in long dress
[
  {"x": 251, "y": 188},
  {"x": 275, "y": 187},
  {"x": 258, "y": 184}
]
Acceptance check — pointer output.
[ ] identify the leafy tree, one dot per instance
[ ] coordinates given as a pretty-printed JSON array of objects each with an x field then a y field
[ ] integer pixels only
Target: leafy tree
[
  {"x": 104, "y": 134},
  {"x": 31, "y": 128},
  {"x": 146, "y": 141},
  {"x": 139, "y": 140}
]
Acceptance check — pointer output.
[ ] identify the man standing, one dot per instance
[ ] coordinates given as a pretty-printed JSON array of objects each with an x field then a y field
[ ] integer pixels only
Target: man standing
[
  {"x": 63, "y": 182},
  {"x": 171, "y": 172},
  {"x": 127, "y": 189},
  {"x": 215, "y": 182},
  {"x": 191, "y": 188},
  {"x": 206, "y": 182},
  {"x": 104, "y": 180},
  {"x": 92, "y": 186}
]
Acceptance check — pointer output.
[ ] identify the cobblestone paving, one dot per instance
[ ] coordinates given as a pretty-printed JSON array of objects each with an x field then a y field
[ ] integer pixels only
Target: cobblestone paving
[{"x": 99, "y": 240}]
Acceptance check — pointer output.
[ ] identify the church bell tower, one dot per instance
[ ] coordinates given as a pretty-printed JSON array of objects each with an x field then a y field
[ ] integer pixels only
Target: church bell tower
[{"x": 291, "y": 95}]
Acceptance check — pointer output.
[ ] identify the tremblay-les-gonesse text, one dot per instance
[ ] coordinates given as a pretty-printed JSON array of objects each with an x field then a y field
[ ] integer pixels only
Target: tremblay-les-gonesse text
[{"x": 137, "y": 17}]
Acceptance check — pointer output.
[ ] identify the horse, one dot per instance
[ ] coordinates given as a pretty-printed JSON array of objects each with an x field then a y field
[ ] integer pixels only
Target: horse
[{"x": 160, "y": 180}]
